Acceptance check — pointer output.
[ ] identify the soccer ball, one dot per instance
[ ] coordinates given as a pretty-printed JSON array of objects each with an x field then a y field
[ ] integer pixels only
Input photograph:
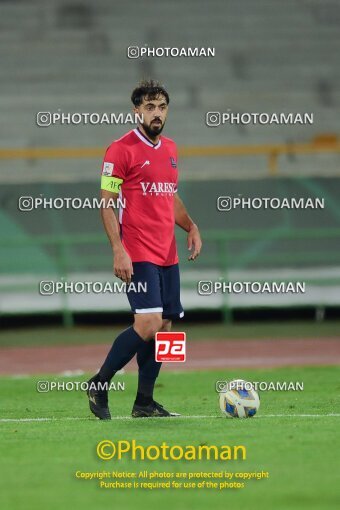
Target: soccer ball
[{"x": 239, "y": 399}]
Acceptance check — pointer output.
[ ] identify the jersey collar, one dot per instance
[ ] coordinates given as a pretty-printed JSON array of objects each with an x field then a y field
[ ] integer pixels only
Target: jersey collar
[{"x": 146, "y": 141}]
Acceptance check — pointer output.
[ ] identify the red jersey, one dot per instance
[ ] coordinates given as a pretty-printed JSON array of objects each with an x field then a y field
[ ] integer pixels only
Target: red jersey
[{"x": 149, "y": 181}]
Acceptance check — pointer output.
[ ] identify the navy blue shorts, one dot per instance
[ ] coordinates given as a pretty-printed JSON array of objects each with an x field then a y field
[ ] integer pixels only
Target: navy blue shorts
[{"x": 162, "y": 290}]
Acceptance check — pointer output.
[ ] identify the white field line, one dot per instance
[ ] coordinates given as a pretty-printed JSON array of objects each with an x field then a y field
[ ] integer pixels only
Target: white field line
[{"x": 192, "y": 417}]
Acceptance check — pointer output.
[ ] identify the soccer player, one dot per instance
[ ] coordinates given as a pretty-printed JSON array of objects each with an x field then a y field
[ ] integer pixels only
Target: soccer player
[{"x": 141, "y": 169}]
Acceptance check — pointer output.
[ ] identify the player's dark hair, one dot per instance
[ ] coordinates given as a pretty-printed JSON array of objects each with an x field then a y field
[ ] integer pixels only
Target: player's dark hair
[{"x": 149, "y": 89}]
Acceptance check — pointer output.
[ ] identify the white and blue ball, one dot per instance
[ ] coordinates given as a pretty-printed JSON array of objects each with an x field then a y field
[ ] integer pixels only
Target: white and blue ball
[{"x": 239, "y": 399}]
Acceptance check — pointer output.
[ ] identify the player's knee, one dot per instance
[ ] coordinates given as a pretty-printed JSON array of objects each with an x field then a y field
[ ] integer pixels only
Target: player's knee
[
  {"x": 151, "y": 327},
  {"x": 148, "y": 326}
]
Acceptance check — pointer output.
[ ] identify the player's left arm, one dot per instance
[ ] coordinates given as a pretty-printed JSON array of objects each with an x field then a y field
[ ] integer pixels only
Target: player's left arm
[{"x": 183, "y": 220}]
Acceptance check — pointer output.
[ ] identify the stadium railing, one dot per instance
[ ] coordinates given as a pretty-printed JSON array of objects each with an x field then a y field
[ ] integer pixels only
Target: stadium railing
[
  {"x": 321, "y": 144},
  {"x": 218, "y": 262}
]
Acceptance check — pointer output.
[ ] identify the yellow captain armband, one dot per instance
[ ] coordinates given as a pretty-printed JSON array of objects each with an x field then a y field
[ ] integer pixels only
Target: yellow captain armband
[{"x": 112, "y": 184}]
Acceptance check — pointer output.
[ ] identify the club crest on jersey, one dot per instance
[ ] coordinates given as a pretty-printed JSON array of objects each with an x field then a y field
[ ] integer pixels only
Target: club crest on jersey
[
  {"x": 173, "y": 162},
  {"x": 158, "y": 188}
]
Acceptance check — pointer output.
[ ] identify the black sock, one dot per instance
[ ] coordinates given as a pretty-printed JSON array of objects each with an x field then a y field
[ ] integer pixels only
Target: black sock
[
  {"x": 122, "y": 351},
  {"x": 147, "y": 374},
  {"x": 142, "y": 400},
  {"x": 95, "y": 379}
]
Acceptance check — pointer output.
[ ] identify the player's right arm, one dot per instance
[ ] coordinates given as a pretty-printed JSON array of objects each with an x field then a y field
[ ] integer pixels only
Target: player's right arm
[
  {"x": 113, "y": 174},
  {"x": 122, "y": 265}
]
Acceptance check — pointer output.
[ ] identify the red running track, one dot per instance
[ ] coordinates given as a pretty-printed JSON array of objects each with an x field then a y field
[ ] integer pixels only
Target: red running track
[{"x": 200, "y": 355}]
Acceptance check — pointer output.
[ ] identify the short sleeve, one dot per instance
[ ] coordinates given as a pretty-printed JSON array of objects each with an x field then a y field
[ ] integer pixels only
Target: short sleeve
[{"x": 114, "y": 163}]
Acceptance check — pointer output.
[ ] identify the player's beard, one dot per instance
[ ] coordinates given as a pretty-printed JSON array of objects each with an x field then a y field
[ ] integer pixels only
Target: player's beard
[{"x": 152, "y": 131}]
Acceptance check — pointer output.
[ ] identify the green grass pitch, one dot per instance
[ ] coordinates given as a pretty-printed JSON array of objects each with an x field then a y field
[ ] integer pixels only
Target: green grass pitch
[
  {"x": 39, "y": 458},
  {"x": 217, "y": 331}
]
